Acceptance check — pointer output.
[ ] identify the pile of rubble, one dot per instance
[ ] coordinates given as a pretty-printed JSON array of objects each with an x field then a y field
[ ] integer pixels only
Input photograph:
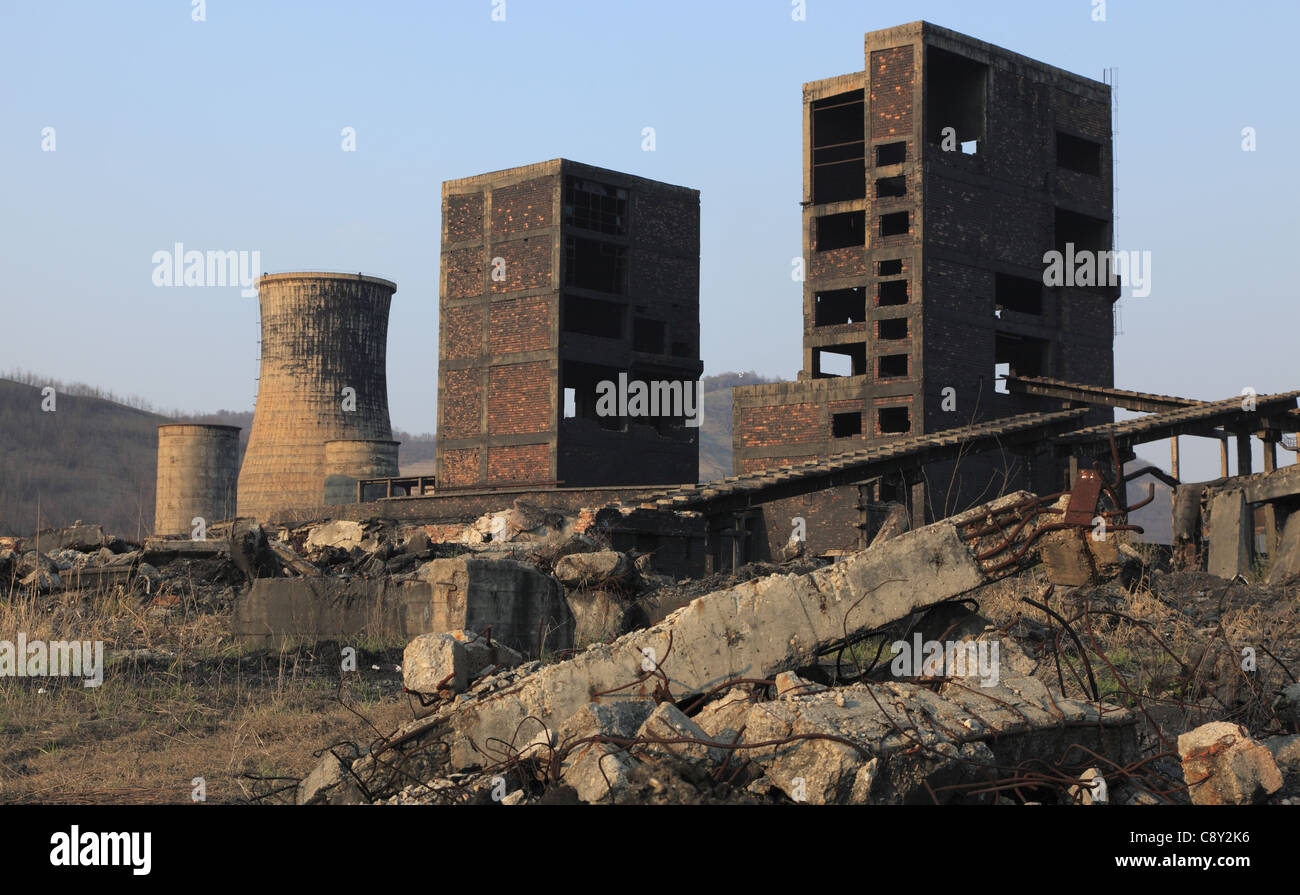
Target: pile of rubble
[{"x": 762, "y": 691}]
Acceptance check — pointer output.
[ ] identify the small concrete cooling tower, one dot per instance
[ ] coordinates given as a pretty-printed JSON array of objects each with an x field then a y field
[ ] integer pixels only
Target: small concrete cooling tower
[
  {"x": 324, "y": 343},
  {"x": 198, "y": 468}
]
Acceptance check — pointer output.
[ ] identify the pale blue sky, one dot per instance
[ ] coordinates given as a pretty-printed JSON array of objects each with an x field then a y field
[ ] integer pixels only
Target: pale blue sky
[{"x": 225, "y": 134}]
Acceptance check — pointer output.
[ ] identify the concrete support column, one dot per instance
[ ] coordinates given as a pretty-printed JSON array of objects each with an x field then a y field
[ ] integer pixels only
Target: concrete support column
[
  {"x": 1232, "y": 533},
  {"x": 1243, "y": 454}
]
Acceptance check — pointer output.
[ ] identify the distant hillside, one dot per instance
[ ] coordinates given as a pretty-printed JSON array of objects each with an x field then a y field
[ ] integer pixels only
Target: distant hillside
[
  {"x": 715, "y": 433},
  {"x": 90, "y": 458}
]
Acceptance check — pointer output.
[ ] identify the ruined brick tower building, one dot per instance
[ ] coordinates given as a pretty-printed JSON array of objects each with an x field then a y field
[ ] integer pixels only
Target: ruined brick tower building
[
  {"x": 556, "y": 277},
  {"x": 934, "y": 182}
]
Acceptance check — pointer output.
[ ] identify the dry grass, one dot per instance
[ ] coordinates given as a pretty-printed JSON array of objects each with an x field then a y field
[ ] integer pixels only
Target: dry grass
[{"x": 198, "y": 706}]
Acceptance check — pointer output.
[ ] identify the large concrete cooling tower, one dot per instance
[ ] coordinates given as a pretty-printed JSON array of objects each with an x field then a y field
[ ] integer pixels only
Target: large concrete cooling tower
[{"x": 324, "y": 341}]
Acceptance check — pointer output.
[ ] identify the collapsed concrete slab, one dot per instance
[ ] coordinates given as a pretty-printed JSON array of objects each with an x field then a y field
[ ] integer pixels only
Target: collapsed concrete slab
[
  {"x": 754, "y": 630},
  {"x": 1223, "y": 765},
  {"x": 279, "y": 610},
  {"x": 1232, "y": 530}
]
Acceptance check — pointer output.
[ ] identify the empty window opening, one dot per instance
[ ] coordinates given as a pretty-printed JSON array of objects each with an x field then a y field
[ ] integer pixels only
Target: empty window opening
[
  {"x": 891, "y": 154},
  {"x": 1077, "y": 154},
  {"x": 891, "y": 292},
  {"x": 1086, "y": 233},
  {"x": 838, "y": 148},
  {"x": 841, "y": 360},
  {"x": 970, "y": 147},
  {"x": 1020, "y": 294},
  {"x": 846, "y": 425},
  {"x": 595, "y": 264},
  {"x": 681, "y": 349},
  {"x": 895, "y": 224},
  {"x": 840, "y": 306},
  {"x": 841, "y": 231},
  {"x": 648, "y": 335},
  {"x": 955, "y": 98},
  {"x": 894, "y": 420},
  {"x": 593, "y": 317},
  {"x": 582, "y": 381},
  {"x": 891, "y": 328},
  {"x": 1022, "y": 355},
  {"x": 891, "y": 366},
  {"x": 889, "y": 187},
  {"x": 891, "y": 268},
  {"x": 1000, "y": 374},
  {"x": 595, "y": 206}
]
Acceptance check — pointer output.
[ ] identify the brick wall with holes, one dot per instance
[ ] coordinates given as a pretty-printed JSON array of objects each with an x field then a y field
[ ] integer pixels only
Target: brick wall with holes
[
  {"x": 459, "y": 407},
  {"x": 519, "y": 399},
  {"x": 518, "y": 463},
  {"x": 893, "y": 79},
  {"x": 527, "y": 263},
  {"x": 460, "y": 332},
  {"x": 778, "y": 425},
  {"x": 463, "y": 217},
  {"x": 846, "y": 262},
  {"x": 464, "y": 272},
  {"x": 459, "y": 468},
  {"x": 520, "y": 324},
  {"x": 524, "y": 206}
]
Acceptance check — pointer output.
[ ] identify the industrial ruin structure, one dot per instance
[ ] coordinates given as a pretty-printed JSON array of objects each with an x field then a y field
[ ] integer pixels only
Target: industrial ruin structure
[
  {"x": 198, "y": 472},
  {"x": 556, "y": 277},
  {"x": 934, "y": 182},
  {"x": 323, "y": 379}
]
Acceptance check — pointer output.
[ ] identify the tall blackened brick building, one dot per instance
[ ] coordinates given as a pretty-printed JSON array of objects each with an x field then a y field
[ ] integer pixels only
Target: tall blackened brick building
[
  {"x": 557, "y": 277},
  {"x": 934, "y": 182}
]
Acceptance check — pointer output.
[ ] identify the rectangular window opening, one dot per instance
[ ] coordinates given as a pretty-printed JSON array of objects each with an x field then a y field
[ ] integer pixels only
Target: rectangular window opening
[
  {"x": 895, "y": 224},
  {"x": 891, "y": 187},
  {"x": 890, "y": 268},
  {"x": 894, "y": 420},
  {"x": 648, "y": 335},
  {"x": 1022, "y": 355},
  {"x": 846, "y": 425},
  {"x": 840, "y": 306},
  {"x": 891, "y": 366},
  {"x": 838, "y": 148},
  {"x": 595, "y": 206},
  {"x": 1020, "y": 294},
  {"x": 582, "y": 381},
  {"x": 957, "y": 87},
  {"x": 1085, "y": 233},
  {"x": 595, "y": 264},
  {"x": 1077, "y": 154},
  {"x": 592, "y": 317},
  {"x": 891, "y": 328},
  {"x": 1000, "y": 374},
  {"x": 891, "y": 292},
  {"x": 570, "y": 403},
  {"x": 891, "y": 154},
  {"x": 841, "y": 231},
  {"x": 841, "y": 360}
]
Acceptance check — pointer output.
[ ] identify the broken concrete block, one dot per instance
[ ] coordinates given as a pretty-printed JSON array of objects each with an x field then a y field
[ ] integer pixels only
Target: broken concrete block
[
  {"x": 668, "y": 722},
  {"x": 1232, "y": 531},
  {"x": 614, "y": 719},
  {"x": 598, "y": 616},
  {"x": 790, "y": 684},
  {"x": 1222, "y": 765},
  {"x": 329, "y": 783},
  {"x": 722, "y": 718},
  {"x": 339, "y": 533},
  {"x": 897, "y": 521},
  {"x": 1286, "y": 753},
  {"x": 1091, "y": 790},
  {"x": 433, "y": 662},
  {"x": 84, "y": 538},
  {"x": 596, "y": 768},
  {"x": 1286, "y": 562},
  {"x": 515, "y": 600},
  {"x": 586, "y": 569},
  {"x": 481, "y": 655},
  {"x": 41, "y": 581}
]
